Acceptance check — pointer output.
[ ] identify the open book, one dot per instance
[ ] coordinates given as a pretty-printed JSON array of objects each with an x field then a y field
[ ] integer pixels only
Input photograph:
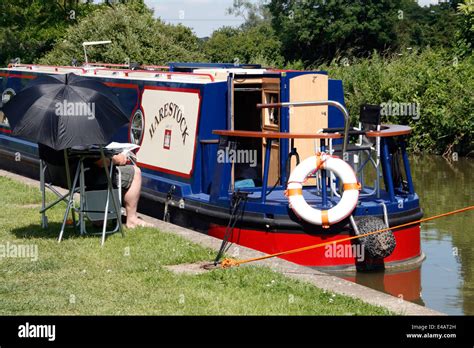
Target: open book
[{"x": 125, "y": 148}]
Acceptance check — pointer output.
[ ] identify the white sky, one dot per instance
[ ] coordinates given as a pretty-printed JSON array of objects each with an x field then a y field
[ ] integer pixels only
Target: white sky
[{"x": 204, "y": 16}]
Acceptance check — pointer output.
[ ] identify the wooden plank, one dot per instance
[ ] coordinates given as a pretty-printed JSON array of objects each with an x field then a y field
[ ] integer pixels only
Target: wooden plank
[
  {"x": 310, "y": 119},
  {"x": 277, "y": 135},
  {"x": 266, "y": 82},
  {"x": 310, "y": 87},
  {"x": 271, "y": 92},
  {"x": 390, "y": 130}
]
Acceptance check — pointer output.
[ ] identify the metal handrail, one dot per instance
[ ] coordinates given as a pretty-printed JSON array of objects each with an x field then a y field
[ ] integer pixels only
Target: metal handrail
[
  {"x": 55, "y": 67},
  {"x": 99, "y": 64},
  {"x": 334, "y": 103}
]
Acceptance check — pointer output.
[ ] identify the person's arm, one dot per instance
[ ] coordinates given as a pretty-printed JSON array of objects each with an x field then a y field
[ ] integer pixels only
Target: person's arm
[{"x": 119, "y": 160}]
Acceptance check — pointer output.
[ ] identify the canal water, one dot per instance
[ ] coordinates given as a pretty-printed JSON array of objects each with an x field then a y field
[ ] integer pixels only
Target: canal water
[{"x": 445, "y": 280}]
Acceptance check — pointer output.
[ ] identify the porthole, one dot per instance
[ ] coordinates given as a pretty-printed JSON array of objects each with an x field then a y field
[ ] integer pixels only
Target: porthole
[
  {"x": 136, "y": 127},
  {"x": 6, "y": 96}
]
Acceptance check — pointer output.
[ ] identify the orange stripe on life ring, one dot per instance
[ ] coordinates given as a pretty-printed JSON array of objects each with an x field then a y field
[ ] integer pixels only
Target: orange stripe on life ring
[
  {"x": 355, "y": 186},
  {"x": 294, "y": 192},
  {"x": 325, "y": 218},
  {"x": 319, "y": 161}
]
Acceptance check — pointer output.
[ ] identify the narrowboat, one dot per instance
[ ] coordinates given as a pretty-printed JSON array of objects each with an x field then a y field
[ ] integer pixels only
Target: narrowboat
[{"x": 261, "y": 157}]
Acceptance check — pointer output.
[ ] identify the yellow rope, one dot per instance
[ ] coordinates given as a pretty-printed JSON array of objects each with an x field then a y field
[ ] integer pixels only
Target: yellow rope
[{"x": 227, "y": 263}]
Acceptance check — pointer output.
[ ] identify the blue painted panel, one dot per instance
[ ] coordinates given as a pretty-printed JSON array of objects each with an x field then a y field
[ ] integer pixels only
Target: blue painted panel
[
  {"x": 213, "y": 117},
  {"x": 284, "y": 125},
  {"x": 336, "y": 117},
  {"x": 336, "y": 92}
]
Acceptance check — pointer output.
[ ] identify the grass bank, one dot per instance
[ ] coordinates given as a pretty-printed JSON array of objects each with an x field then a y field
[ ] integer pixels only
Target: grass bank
[{"x": 127, "y": 276}]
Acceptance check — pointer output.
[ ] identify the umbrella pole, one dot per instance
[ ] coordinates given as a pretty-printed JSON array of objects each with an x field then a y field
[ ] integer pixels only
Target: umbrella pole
[
  {"x": 68, "y": 178},
  {"x": 111, "y": 191}
]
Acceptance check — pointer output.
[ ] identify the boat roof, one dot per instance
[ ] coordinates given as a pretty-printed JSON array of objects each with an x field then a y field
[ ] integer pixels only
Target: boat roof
[{"x": 199, "y": 73}]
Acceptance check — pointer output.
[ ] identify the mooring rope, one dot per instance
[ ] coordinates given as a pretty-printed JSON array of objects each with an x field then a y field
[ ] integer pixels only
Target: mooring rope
[
  {"x": 237, "y": 198},
  {"x": 227, "y": 263}
]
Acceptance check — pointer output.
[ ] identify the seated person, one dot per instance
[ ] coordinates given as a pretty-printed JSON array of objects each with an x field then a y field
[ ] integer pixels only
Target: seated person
[
  {"x": 131, "y": 182},
  {"x": 131, "y": 179},
  {"x": 3, "y": 119}
]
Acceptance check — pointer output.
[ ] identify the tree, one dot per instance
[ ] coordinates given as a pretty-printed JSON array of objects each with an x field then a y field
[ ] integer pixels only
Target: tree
[
  {"x": 253, "y": 42},
  {"x": 135, "y": 35},
  {"x": 29, "y": 28},
  {"x": 465, "y": 33},
  {"x": 253, "y": 13},
  {"x": 318, "y": 30},
  {"x": 137, "y": 5},
  {"x": 256, "y": 44},
  {"x": 433, "y": 26}
]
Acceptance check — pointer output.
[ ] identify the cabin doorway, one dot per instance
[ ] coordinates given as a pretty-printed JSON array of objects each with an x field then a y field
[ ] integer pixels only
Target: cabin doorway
[
  {"x": 248, "y": 163},
  {"x": 248, "y": 167}
]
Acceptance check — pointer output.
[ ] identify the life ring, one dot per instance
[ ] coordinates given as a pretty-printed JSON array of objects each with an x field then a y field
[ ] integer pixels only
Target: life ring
[{"x": 349, "y": 198}]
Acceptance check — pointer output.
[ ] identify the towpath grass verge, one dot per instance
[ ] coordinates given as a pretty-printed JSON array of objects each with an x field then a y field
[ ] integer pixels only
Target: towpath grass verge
[{"x": 128, "y": 277}]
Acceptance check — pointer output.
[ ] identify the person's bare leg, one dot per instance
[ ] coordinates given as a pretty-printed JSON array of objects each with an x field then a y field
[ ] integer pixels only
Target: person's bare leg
[{"x": 131, "y": 198}]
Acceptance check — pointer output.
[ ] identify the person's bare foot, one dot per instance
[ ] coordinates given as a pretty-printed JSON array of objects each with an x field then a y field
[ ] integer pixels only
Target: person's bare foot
[{"x": 138, "y": 222}]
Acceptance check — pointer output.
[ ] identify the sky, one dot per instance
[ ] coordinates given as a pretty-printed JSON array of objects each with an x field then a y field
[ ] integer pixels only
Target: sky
[{"x": 204, "y": 16}]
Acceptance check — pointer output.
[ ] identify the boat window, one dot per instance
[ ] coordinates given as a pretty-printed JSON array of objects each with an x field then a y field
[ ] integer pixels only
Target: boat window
[
  {"x": 136, "y": 128},
  {"x": 6, "y": 96}
]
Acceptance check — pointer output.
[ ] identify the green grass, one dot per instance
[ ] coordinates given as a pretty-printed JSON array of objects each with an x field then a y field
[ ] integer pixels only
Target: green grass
[{"x": 127, "y": 276}]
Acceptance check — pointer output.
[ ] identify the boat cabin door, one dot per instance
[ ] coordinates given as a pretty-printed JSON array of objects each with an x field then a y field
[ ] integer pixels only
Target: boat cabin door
[{"x": 307, "y": 87}]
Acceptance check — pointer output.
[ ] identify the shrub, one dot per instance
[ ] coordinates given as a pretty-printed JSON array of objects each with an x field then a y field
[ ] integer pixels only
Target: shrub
[{"x": 442, "y": 85}]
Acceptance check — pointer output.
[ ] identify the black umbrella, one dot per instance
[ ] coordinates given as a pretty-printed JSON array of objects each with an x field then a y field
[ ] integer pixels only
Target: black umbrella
[{"x": 62, "y": 111}]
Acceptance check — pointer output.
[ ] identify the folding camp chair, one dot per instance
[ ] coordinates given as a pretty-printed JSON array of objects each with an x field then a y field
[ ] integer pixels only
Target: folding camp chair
[
  {"x": 95, "y": 202},
  {"x": 370, "y": 120},
  {"x": 96, "y": 205},
  {"x": 54, "y": 173}
]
